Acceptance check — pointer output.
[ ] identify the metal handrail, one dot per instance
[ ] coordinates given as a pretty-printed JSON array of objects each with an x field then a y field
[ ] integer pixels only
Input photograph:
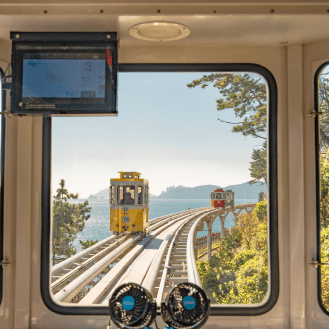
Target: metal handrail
[
  {"x": 70, "y": 261},
  {"x": 74, "y": 287}
]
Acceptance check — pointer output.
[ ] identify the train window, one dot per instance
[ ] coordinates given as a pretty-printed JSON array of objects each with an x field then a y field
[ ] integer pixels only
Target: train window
[
  {"x": 146, "y": 196},
  {"x": 322, "y": 145},
  {"x": 126, "y": 195},
  {"x": 162, "y": 140},
  {"x": 140, "y": 194},
  {"x": 112, "y": 200}
]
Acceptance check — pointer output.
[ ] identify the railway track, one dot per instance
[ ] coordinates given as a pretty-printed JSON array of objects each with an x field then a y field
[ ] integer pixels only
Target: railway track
[
  {"x": 143, "y": 266},
  {"x": 87, "y": 268}
]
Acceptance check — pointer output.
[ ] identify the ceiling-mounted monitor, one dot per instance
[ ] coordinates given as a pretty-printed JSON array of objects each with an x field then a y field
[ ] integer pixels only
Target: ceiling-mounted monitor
[{"x": 64, "y": 73}]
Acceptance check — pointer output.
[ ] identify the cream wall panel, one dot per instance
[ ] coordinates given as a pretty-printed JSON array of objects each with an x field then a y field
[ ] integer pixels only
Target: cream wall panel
[{"x": 296, "y": 184}]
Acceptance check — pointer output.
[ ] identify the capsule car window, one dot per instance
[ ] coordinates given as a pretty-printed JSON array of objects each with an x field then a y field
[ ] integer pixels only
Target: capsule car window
[{"x": 155, "y": 192}]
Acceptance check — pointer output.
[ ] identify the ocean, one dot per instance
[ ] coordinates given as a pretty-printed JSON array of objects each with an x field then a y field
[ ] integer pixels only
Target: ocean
[{"x": 98, "y": 225}]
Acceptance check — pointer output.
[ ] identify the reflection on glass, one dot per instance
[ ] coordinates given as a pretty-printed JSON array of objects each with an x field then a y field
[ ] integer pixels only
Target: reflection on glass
[{"x": 190, "y": 134}]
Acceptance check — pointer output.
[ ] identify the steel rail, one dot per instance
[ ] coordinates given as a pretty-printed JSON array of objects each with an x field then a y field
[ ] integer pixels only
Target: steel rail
[
  {"x": 77, "y": 284},
  {"x": 148, "y": 281},
  {"x": 73, "y": 288},
  {"x": 60, "y": 267},
  {"x": 192, "y": 271},
  {"x": 172, "y": 252},
  {"x": 80, "y": 268},
  {"x": 131, "y": 260},
  {"x": 90, "y": 261},
  {"x": 166, "y": 265},
  {"x": 153, "y": 271},
  {"x": 104, "y": 246},
  {"x": 108, "y": 281}
]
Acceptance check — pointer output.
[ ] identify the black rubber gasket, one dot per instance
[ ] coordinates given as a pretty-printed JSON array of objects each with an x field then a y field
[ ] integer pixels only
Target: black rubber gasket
[
  {"x": 272, "y": 185},
  {"x": 2, "y": 169}
]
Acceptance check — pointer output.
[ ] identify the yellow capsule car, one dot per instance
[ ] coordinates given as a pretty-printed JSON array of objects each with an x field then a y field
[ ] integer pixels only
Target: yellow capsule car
[{"x": 129, "y": 203}]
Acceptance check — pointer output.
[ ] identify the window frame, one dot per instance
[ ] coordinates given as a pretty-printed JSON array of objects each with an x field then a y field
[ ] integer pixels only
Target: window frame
[
  {"x": 216, "y": 310},
  {"x": 317, "y": 182},
  {"x": 2, "y": 171}
]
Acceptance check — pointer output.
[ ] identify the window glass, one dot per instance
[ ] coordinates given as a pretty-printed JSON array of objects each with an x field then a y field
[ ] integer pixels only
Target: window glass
[
  {"x": 323, "y": 160},
  {"x": 140, "y": 195},
  {"x": 177, "y": 155},
  {"x": 146, "y": 195},
  {"x": 126, "y": 195},
  {"x": 112, "y": 200}
]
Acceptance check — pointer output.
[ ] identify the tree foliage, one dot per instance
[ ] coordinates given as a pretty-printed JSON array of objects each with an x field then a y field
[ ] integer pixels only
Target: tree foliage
[
  {"x": 258, "y": 167},
  {"x": 324, "y": 192},
  {"x": 246, "y": 95},
  {"x": 324, "y": 231},
  {"x": 323, "y": 100},
  {"x": 238, "y": 273},
  {"x": 88, "y": 243},
  {"x": 324, "y": 240},
  {"x": 68, "y": 220}
]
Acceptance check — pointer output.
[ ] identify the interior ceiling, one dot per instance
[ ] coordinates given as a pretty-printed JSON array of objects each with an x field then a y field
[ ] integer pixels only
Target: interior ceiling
[{"x": 212, "y": 30}]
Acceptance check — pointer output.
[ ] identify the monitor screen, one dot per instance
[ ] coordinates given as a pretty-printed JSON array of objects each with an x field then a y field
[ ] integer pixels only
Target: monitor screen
[{"x": 63, "y": 75}]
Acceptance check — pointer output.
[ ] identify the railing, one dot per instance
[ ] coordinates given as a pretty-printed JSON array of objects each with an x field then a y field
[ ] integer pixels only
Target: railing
[
  {"x": 192, "y": 271},
  {"x": 202, "y": 241}
]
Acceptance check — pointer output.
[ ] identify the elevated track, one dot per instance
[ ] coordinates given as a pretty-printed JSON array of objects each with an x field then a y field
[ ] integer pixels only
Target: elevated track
[{"x": 158, "y": 261}]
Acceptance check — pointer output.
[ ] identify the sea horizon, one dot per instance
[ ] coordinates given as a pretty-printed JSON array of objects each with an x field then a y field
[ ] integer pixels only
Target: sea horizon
[{"x": 97, "y": 227}]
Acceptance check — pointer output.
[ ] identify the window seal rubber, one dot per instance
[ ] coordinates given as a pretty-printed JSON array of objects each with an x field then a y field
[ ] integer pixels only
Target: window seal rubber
[
  {"x": 2, "y": 180},
  {"x": 272, "y": 189},
  {"x": 317, "y": 180}
]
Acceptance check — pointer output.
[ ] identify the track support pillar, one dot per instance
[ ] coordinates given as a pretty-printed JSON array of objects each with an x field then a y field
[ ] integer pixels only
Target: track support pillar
[{"x": 209, "y": 226}]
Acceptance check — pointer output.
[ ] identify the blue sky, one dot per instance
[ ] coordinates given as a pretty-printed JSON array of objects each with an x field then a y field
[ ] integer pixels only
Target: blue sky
[{"x": 166, "y": 131}]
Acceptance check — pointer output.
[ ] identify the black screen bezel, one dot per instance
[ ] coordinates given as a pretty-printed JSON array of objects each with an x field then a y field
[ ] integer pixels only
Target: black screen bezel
[{"x": 48, "y": 42}]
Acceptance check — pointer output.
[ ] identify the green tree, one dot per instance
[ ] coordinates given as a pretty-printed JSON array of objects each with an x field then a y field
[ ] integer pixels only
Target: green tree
[
  {"x": 324, "y": 191},
  {"x": 88, "y": 243},
  {"x": 258, "y": 167},
  {"x": 323, "y": 99},
  {"x": 324, "y": 241},
  {"x": 246, "y": 94},
  {"x": 68, "y": 220},
  {"x": 238, "y": 273}
]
